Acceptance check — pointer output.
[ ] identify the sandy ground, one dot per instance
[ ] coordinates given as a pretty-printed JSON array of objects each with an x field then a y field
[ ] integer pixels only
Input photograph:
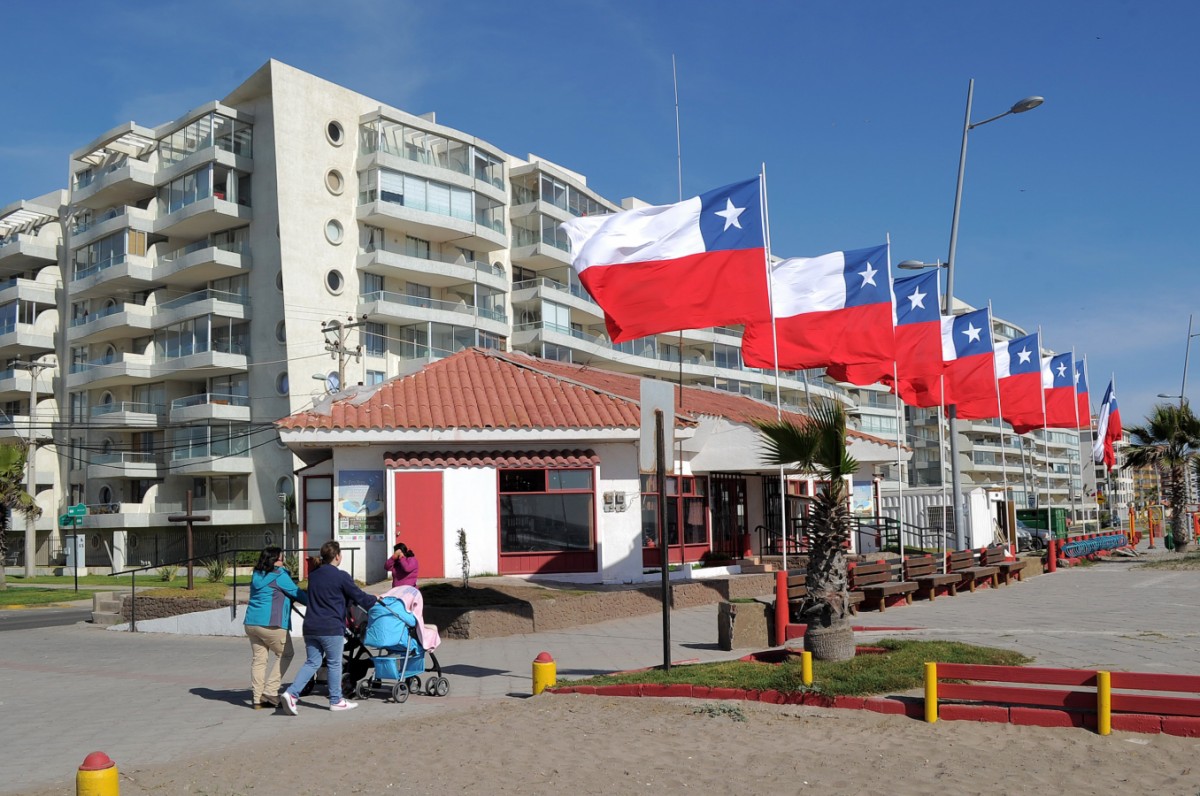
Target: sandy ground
[{"x": 602, "y": 745}]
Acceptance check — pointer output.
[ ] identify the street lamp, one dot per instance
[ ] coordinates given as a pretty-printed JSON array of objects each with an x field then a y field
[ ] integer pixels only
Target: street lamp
[
  {"x": 1027, "y": 104},
  {"x": 1187, "y": 350}
]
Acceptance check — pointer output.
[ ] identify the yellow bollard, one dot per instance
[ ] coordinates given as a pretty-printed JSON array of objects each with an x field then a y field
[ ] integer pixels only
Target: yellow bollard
[
  {"x": 931, "y": 705},
  {"x": 1104, "y": 703},
  {"x": 545, "y": 672},
  {"x": 806, "y": 667},
  {"x": 97, "y": 776}
]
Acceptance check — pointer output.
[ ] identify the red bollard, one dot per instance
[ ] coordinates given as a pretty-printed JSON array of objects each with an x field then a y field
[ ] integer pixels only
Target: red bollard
[
  {"x": 1052, "y": 555},
  {"x": 781, "y": 608}
]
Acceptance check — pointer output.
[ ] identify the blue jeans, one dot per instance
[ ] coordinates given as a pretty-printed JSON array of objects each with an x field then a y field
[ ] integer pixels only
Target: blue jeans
[{"x": 317, "y": 646}]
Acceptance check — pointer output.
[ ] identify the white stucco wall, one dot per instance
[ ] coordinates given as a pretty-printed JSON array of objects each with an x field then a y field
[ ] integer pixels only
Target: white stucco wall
[{"x": 469, "y": 502}]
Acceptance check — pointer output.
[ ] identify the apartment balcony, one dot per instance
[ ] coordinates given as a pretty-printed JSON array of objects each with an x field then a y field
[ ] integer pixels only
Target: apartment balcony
[
  {"x": 19, "y": 339},
  {"x": 15, "y": 428},
  {"x": 21, "y": 252},
  {"x": 435, "y": 272},
  {"x": 201, "y": 262},
  {"x": 125, "y": 464},
  {"x": 540, "y": 255},
  {"x": 110, "y": 222},
  {"x": 386, "y": 307},
  {"x": 573, "y": 296},
  {"x": 122, "y": 414},
  {"x": 211, "y": 459},
  {"x": 202, "y": 302},
  {"x": 224, "y": 359},
  {"x": 29, "y": 290},
  {"x": 154, "y": 514},
  {"x": 204, "y": 217},
  {"x": 122, "y": 273},
  {"x": 209, "y": 407},
  {"x": 16, "y": 383},
  {"x": 111, "y": 371},
  {"x": 115, "y": 322},
  {"x": 475, "y": 233},
  {"x": 120, "y": 183}
]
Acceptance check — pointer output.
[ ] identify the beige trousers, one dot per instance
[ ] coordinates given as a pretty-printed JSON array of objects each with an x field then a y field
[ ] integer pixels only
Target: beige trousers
[{"x": 272, "y": 643}]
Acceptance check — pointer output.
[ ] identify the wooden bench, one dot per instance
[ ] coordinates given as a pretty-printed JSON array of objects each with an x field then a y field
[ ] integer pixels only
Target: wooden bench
[
  {"x": 962, "y": 563},
  {"x": 875, "y": 581},
  {"x": 997, "y": 556},
  {"x": 924, "y": 571}
]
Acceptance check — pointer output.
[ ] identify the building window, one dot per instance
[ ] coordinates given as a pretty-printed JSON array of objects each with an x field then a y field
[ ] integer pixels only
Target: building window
[
  {"x": 281, "y": 383},
  {"x": 544, "y": 511},
  {"x": 334, "y": 182},
  {"x": 333, "y": 231},
  {"x": 334, "y": 133},
  {"x": 334, "y": 281},
  {"x": 375, "y": 339},
  {"x": 687, "y": 509},
  {"x": 375, "y": 377}
]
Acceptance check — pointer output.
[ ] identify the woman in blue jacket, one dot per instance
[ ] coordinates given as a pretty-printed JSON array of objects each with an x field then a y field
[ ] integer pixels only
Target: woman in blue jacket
[
  {"x": 268, "y": 623},
  {"x": 330, "y": 592}
]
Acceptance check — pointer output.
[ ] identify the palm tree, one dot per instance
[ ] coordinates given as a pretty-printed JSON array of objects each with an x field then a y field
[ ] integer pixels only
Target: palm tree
[
  {"x": 818, "y": 445},
  {"x": 13, "y": 497},
  {"x": 1169, "y": 441}
]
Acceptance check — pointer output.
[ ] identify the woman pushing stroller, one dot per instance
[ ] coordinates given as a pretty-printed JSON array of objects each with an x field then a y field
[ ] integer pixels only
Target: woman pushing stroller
[{"x": 330, "y": 591}]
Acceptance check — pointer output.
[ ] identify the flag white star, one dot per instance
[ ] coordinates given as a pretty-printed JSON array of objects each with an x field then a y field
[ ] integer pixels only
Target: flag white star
[
  {"x": 1062, "y": 370},
  {"x": 868, "y": 275},
  {"x": 917, "y": 299},
  {"x": 1077, "y": 375},
  {"x": 1023, "y": 356},
  {"x": 972, "y": 333},
  {"x": 731, "y": 214}
]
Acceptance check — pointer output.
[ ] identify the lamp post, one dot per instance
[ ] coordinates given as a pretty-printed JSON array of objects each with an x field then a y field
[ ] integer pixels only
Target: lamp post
[
  {"x": 1027, "y": 104},
  {"x": 1187, "y": 350}
]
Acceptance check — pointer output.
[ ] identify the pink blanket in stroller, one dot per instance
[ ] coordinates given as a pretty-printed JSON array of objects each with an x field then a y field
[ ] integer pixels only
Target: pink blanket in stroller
[{"x": 427, "y": 635}]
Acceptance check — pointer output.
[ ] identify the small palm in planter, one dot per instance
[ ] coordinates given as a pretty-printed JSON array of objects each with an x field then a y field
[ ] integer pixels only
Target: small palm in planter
[{"x": 818, "y": 445}]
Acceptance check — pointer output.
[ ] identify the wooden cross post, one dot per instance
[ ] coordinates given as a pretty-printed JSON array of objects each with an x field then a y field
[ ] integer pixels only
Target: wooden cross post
[{"x": 189, "y": 517}]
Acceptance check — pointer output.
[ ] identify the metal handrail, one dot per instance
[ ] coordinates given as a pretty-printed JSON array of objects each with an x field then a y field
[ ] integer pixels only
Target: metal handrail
[{"x": 132, "y": 573}]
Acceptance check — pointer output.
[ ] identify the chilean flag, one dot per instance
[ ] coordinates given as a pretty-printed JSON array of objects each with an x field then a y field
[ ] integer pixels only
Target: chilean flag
[
  {"x": 1081, "y": 394},
  {"x": 970, "y": 364},
  {"x": 918, "y": 339},
  {"x": 1108, "y": 429},
  {"x": 835, "y": 309},
  {"x": 1058, "y": 383},
  {"x": 1019, "y": 374},
  {"x": 698, "y": 263}
]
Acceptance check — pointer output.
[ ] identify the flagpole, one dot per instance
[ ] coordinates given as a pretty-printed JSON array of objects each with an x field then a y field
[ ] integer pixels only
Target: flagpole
[
  {"x": 1003, "y": 446},
  {"x": 1070, "y": 475},
  {"x": 1091, "y": 434},
  {"x": 783, "y": 534},
  {"x": 679, "y": 442},
  {"x": 901, "y": 437},
  {"x": 942, "y": 473}
]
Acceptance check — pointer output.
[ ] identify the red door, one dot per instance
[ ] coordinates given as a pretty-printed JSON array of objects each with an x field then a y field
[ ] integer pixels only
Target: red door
[{"x": 418, "y": 512}]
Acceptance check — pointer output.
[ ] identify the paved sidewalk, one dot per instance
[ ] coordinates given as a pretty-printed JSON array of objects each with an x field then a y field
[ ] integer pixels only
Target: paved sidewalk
[{"x": 148, "y": 698}]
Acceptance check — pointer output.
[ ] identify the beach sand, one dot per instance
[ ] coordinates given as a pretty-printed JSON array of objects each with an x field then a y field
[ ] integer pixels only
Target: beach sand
[{"x": 602, "y": 745}]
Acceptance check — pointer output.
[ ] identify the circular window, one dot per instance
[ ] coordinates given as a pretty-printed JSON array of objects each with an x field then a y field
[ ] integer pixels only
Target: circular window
[
  {"x": 105, "y": 494},
  {"x": 335, "y": 281},
  {"x": 284, "y": 486},
  {"x": 281, "y": 383},
  {"x": 335, "y": 134},
  {"x": 333, "y": 231},
  {"x": 335, "y": 182},
  {"x": 94, "y": 541},
  {"x": 279, "y": 281},
  {"x": 281, "y": 332}
]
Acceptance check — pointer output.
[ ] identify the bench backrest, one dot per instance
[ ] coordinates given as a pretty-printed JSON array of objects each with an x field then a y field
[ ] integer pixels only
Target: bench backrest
[
  {"x": 993, "y": 555},
  {"x": 960, "y": 560},
  {"x": 916, "y": 566},
  {"x": 797, "y": 585},
  {"x": 869, "y": 573}
]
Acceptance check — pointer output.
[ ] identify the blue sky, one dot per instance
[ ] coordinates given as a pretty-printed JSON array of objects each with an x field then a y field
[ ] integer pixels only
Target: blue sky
[{"x": 1074, "y": 215}]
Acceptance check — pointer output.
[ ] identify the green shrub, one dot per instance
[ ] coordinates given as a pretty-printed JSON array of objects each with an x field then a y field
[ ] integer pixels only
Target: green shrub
[
  {"x": 217, "y": 568},
  {"x": 167, "y": 574}
]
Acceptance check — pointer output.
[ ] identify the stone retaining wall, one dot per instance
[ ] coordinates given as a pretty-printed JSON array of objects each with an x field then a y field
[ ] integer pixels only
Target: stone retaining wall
[
  {"x": 575, "y": 610},
  {"x": 162, "y": 607}
]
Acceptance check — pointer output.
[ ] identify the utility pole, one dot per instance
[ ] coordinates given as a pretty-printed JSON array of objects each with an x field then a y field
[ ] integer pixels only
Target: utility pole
[
  {"x": 335, "y": 344},
  {"x": 34, "y": 368}
]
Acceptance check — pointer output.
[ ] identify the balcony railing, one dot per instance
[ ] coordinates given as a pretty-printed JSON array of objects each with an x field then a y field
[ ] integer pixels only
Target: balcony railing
[
  {"x": 127, "y": 406},
  {"x": 578, "y": 291},
  {"x": 433, "y": 257},
  {"x": 103, "y": 312},
  {"x": 86, "y": 224},
  {"x": 217, "y": 449},
  {"x": 207, "y": 294},
  {"x": 460, "y": 307},
  {"x": 207, "y": 398},
  {"x": 126, "y": 457},
  {"x": 235, "y": 246}
]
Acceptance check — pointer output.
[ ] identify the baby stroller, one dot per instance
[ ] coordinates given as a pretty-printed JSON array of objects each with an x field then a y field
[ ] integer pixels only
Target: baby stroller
[
  {"x": 403, "y": 641},
  {"x": 356, "y": 659}
]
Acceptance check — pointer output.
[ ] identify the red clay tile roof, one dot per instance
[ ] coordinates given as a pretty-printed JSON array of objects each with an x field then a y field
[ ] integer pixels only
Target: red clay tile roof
[
  {"x": 508, "y": 459},
  {"x": 484, "y": 389},
  {"x": 477, "y": 390}
]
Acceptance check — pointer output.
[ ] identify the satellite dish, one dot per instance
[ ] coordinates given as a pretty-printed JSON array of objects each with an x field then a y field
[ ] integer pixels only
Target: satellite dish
[{"x": 332, "y": 382}]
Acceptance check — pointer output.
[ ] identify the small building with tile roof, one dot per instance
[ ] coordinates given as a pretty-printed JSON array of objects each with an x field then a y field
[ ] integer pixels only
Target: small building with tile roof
[{"x": 536, "y": 461}]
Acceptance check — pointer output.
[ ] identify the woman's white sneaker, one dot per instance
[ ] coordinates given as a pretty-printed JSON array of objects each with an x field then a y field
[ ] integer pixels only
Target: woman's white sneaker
[{"x": 345, "y": 704}]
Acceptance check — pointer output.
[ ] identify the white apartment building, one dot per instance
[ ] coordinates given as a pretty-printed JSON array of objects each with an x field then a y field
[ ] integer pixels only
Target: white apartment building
[{"x": 183, "y": 281}]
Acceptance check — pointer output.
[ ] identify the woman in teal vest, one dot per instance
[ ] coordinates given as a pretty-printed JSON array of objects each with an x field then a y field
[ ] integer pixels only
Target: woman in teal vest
[{"x": 268, "y": 626}]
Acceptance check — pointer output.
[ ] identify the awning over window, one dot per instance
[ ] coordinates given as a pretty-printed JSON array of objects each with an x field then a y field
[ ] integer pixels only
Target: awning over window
[{"x": 505, "y": 459}]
